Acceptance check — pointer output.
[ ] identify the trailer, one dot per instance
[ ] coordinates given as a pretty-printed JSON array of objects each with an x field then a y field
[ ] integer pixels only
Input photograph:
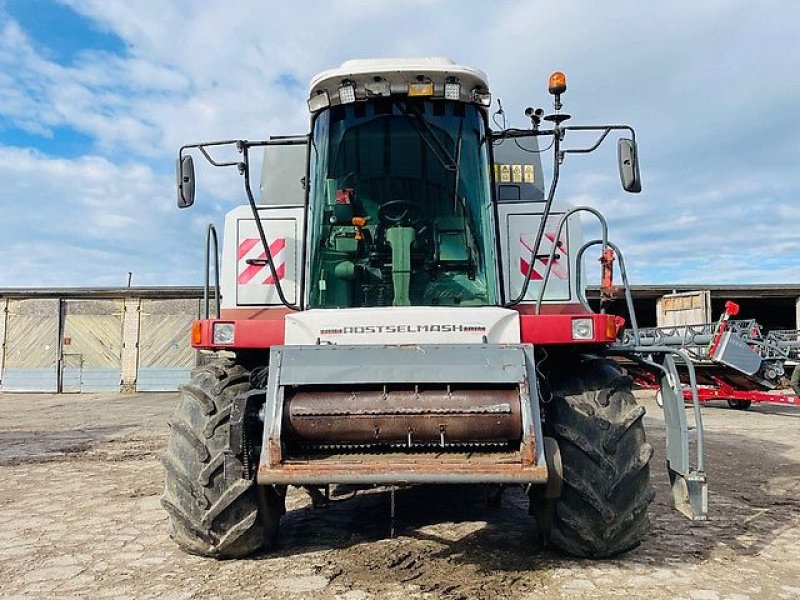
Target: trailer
[
  {"x": 742, "y": 399},
  {"x": 734, "y": 360}
]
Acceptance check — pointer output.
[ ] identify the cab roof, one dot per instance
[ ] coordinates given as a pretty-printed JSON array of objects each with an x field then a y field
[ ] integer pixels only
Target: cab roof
[{"x": 390, "y": 76}]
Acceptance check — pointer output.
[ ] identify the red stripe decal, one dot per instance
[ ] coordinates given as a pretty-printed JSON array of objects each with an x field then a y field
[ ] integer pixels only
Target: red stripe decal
[
  {"x": 246, "y": 246},
  {"x": 281, "y": 272},
  {"x": 253, "y": 270}
]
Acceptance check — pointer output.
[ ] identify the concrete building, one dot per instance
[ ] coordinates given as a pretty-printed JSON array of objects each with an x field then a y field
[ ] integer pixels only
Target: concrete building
[
  {"x": 137, "y": 339},
  {"x": 99, "y": 339}
]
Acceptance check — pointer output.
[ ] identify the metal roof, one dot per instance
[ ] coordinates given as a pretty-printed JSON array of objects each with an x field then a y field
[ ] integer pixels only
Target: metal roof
[
  {"x": 764, "y": 290},
  {"x": 728, "y": 292},
  {"x": 104, "y": 292}
]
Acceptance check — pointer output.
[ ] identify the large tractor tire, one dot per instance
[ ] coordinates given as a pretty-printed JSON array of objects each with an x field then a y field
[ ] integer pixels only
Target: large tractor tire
[
  {"x": 606, "y": 491},
  {"x": 209, "y": 514}
]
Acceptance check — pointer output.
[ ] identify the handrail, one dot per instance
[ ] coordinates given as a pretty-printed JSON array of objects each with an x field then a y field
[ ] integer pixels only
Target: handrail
[
  {"x": 559, "y": 229},
  {"x": 211, "y": 234},
  {"x": 579, "y": 258},
  {"x": 626, "y": 286}
]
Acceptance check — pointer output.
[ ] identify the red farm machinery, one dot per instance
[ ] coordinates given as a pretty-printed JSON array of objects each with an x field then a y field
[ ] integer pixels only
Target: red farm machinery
[{"x": 734, "y": 360}]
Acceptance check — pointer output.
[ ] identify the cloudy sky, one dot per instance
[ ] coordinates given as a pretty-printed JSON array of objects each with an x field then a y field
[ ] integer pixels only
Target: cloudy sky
[{"x": 96, "y": 96}]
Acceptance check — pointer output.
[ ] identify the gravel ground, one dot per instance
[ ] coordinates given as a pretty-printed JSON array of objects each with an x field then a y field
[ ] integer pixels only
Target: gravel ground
[{"x": 80, "y": 517}]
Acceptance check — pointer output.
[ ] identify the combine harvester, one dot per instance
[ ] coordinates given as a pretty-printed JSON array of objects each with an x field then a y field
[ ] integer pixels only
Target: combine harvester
[
  {"x": 403, "y": 304},
  {"x": 734, "y": 360}
]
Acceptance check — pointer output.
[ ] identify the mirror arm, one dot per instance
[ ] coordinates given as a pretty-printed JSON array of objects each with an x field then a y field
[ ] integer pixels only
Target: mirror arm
[
  {"x": 627, "y": 128},
  {"x": 606, "y": 129},
  {"x": 520, "y": 133},
  {"x": 591, "y": 148},
  {"x": 240, "y": 145},
  {"x": 208, "y": 157},
  {"x": 243, "y": 167}
]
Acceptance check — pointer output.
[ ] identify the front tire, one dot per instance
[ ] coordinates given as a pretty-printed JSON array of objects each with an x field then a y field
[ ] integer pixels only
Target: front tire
[
  {"x": 606, "y": 491},
  {"x": 211, "y": 515}
]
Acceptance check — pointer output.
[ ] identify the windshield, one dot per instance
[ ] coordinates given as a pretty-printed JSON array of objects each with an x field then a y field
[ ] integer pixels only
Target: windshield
[{"x": 400, "y": 206}]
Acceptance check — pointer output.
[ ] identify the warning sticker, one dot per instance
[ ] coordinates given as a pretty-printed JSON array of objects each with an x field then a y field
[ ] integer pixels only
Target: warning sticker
[
  {"x": 505, "y": 173},
  {"x": 516, "y": 173},
  {"x": 528, "y": 173}
]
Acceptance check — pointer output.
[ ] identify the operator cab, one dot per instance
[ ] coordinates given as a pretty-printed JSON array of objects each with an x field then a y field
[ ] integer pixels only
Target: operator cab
[{"x": 400, "y": 202}]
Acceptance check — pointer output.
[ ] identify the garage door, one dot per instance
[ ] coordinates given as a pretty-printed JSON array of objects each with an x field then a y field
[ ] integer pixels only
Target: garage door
[
  {"x": 92, "y": 346},
  {"x": 31, "y": 361},
  {"x": 166, "y": 357}
]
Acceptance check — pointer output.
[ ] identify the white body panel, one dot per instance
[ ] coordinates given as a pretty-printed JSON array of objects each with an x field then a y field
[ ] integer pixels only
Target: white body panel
[
  {"x": 243, "y": 284},
  {"x": 403, "y": 325},
  {"x": 519, "y": 223}
]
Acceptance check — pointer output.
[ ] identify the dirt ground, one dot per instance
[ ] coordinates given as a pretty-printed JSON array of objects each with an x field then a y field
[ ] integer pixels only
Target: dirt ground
[{"x": 80, "y": 517}]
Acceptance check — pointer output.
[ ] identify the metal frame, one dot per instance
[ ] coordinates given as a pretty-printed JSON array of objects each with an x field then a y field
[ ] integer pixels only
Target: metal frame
[
  {"x": 243, "y": 166},
  {"x": 379, "y": 365},
  {"x": 557, "y": 132},
  {"x": 211, "y": 239},
  {"x": 689, "y": 485},
  {"x": 739, "y": 346},
  {"x": 722, "y": 390}
]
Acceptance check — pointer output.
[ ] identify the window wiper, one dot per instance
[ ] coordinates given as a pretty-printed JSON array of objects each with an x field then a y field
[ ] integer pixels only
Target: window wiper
[
  {"x": 428, "y": 136},
  {"x": 457, "y": 164}
]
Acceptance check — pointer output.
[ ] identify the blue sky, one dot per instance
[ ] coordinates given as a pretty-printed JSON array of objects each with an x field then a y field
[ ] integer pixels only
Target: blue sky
[{"x": 97, "y": 95}]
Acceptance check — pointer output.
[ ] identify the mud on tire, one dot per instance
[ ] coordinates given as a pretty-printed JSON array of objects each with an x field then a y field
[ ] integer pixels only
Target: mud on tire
[
  {"x": 602, "y": 510},
  {"x": 209, "y": 515}
]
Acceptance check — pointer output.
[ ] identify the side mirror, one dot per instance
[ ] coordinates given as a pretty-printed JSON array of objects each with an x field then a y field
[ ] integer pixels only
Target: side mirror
[
  {"x": 628, "y": 158},
  {"x": 184, "y": 172}
]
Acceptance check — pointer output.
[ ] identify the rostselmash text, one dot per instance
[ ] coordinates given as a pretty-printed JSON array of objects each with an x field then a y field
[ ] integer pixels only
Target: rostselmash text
[{"x": 432, "y": 328}]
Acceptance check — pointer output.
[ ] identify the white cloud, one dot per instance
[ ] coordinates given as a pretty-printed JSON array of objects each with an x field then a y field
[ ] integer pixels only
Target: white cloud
[
  {"x": 71, "y": 221},
  {"x": 711, "y": 93}
]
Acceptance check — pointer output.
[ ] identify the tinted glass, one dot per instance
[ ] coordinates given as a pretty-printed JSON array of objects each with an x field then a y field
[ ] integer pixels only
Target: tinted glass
[{"x": 401, "y": 210}]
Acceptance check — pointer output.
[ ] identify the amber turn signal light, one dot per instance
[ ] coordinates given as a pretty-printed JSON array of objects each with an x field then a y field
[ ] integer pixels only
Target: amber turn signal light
[
  {"x": 197, "y": 333},
  {"x": 611, "y": 328}
]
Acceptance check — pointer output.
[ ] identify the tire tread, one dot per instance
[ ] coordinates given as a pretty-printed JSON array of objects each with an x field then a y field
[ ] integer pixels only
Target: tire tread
[
  {"x": 209, "y": 514},
  {"x": 598, "y": 425}
]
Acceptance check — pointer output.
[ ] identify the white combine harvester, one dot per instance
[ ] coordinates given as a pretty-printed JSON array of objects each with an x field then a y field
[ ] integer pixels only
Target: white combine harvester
[{"x": 404, "y": 305}]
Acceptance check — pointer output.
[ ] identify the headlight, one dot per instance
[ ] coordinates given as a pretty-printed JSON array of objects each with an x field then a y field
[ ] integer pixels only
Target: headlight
[
  {"x": 347, "y": 93},
  {"x": 482, "y": 97},
  {"x": 452, "y": 91},
  {"x": 582, "y": 329},
  {"x": 319, "y": 101},
  {"x": 223, "y": 333}
]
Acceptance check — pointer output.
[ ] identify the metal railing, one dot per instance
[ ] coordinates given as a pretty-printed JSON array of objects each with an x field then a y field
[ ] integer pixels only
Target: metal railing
[{"x": 211, "y": 236}]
